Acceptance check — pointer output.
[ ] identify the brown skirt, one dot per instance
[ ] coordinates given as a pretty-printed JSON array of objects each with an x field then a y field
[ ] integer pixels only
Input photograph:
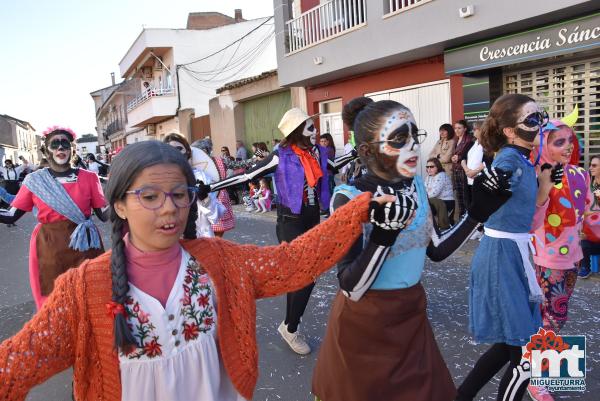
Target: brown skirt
[
  {"x": 54, "y": 255},
  {"x": 381, "y": 348}
]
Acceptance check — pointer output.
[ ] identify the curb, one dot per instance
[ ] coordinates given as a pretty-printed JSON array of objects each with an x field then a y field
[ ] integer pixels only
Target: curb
[{"x": 240, "y": 211}]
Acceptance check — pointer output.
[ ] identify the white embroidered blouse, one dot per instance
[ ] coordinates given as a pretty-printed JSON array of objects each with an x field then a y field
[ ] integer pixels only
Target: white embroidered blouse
[{"x": 177, "y": 357}]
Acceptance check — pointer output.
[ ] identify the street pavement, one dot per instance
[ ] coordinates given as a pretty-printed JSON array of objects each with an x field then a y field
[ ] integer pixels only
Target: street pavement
[{"x": 284, "y": 375}]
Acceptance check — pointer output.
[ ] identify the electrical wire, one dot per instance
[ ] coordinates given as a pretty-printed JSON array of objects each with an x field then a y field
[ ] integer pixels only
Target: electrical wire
[
  {"x": 247, "y": 53},
  {"x": 240, "y": 62},
  {"x": 229, "y": 45},
  {"x": 240, "y": 71}
]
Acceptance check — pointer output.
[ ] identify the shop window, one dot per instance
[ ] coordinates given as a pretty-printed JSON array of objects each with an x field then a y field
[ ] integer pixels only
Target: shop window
[{"x": 558, "y": 89}]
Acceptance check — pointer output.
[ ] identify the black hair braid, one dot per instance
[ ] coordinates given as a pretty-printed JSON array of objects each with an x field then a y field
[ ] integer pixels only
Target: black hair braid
[
  {"x": 120, "y": 286},
  {"x": 190, "y": 225}
]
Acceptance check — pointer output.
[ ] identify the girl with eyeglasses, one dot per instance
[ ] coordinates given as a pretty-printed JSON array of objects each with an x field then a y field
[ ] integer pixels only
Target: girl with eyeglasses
[
  {"x": 504, "y": 296},
  {"x": 379, "y": 344},
  {"x": 158, "y": 319},
  {"x": 65, "y": 198}
]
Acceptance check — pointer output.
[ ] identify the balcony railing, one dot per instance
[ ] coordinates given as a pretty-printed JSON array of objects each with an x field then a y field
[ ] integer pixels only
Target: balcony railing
[
  {"x": 324, "y": 22},
  {"x": 149, "y": 94},
  {"x": 114, "y": 127},
  {"x": 397, "y": 6}
]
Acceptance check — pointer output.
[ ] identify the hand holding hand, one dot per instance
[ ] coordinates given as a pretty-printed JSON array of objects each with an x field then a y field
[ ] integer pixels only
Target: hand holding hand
[
  {"x": 491, "y": 190},
  {"x": 389, "y": 215}
]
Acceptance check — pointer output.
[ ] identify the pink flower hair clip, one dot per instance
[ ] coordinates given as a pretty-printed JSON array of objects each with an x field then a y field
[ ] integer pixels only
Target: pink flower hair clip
[{"x": 50, "y": 130}]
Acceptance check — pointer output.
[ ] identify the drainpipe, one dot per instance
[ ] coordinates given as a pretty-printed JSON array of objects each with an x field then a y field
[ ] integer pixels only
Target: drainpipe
[{"x": 178, "y": 89}]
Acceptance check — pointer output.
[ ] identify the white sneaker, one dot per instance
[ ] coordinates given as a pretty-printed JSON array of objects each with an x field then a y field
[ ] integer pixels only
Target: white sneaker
[{"x": 294, "y": 340}]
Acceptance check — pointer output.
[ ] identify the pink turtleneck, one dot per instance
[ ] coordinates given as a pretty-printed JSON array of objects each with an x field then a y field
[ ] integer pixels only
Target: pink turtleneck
[{"x": 153, "y": 272}]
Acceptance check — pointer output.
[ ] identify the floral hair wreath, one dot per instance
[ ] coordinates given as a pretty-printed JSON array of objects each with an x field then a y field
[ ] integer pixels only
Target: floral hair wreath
[{"x": 51, "y": 130}]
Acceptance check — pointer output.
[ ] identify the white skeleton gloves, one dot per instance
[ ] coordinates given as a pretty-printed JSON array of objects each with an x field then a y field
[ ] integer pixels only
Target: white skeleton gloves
[{"x": 390, "y": 218}]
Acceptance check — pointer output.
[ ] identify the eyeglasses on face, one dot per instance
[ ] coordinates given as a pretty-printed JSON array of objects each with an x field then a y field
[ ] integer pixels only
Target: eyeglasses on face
[
  {"x": 400, "y": 137},
  {"x": 429, "y": 166},
  {"x": 153, "y": 198},
  {"x": 537, "y": 119},
  {"x": 59, "y": 143}
]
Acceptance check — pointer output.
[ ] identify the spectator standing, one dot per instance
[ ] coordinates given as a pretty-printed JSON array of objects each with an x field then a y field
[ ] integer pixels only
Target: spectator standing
[
  {"x": 93, "y": 166},
  {"x": 444, "y": 148},
  {"x": 241, "y": 153},
  {"x": 476, "y": 161},
  {"x": 464, "y": 141}
]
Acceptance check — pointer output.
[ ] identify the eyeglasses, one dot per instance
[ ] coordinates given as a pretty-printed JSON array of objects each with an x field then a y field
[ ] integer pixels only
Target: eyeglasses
[
  {"x": 59, "y": 143},
  {"x": 537, "y": 119},
  {"x": 153, "y": 198},
  {"x": 429, "y": 166},
  {"x": 399, "y": 137}
]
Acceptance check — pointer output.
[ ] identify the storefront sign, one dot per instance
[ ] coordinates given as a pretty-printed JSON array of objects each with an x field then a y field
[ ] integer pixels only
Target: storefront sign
[
  {"x": 563, "y": 38},
  {"x": 476, "y": 95}
]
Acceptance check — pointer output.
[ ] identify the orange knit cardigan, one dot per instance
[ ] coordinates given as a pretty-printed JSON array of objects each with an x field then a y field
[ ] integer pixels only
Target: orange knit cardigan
[{"x": 74, "y": 329}]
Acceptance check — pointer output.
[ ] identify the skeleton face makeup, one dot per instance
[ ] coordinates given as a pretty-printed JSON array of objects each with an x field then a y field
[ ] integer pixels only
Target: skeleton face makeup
[
  {"x": 310, "y": 129},
  {"x": 57, "y": 149},
  {"x": 529, "y": 121},
  {"x": 560, "y": 145},
  {"x": 398, "y": 144}
]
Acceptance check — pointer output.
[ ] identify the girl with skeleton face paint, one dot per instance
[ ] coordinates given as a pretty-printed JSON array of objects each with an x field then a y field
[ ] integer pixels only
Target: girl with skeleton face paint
[
  {"x": 380, "y": 277},
  {"x": 64, "y": 198},
  {"x": 504, "y": 295},
  {"x": 300, "y": 167}
]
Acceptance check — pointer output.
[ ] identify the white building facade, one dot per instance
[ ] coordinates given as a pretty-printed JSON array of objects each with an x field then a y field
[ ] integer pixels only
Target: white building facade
[{"x": 178, "y": 71}]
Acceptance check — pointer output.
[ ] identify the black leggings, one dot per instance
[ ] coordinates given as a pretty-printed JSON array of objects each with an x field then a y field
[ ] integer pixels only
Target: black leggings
[
  {"x": 288, "y": 228},
  {"x": 513, "y": 382}
]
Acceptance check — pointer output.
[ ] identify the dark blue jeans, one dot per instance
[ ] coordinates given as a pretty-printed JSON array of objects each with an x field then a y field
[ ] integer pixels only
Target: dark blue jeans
[{"x": 589, "y": 248}]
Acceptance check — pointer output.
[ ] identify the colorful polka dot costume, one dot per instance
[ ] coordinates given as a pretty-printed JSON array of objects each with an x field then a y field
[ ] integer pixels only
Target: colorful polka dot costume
[{"x": 556, "y": 236}]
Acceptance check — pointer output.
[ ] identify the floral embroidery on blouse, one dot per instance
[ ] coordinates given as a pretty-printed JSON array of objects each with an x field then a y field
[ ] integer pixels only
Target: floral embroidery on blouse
[
  {"x": 197, "y": 308},
  {"x": 143, "y": 331}
]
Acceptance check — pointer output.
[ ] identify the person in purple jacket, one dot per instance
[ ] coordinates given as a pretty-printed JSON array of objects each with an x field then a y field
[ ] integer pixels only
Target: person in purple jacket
[{"x": 301, "y": 176}]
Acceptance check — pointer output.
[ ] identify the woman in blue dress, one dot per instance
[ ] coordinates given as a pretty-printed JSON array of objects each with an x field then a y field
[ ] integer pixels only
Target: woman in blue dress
[{"x": 504, "y": 298}]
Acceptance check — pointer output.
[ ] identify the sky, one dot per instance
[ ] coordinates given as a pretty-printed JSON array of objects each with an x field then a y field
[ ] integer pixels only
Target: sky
[{"x": 55, "y": 52}]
